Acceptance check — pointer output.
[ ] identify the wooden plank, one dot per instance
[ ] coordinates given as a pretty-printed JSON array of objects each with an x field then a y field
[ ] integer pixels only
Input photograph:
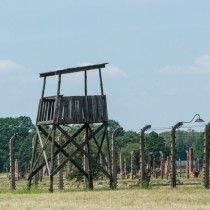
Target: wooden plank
[
  {"x": 42, "y": 110},
  {"x": 66, "y": 110},
  {"x": 57, "y": 107},
  {"x": 81, "y": 110},
  {"x": 76, "y": 104},
  {"x": 105, "y": 118},
  {"x": 94, "y": 108},
  {"x": 73, "y": 70},
  {"x": 60, "y": 111},
  {"x": 52, "y": 110},
  {"x": 99, "y": 111},
  {"x": 71, "y": 105},
  {"x": 49, "y": 110},
  {"x": 89, "y": 109}
]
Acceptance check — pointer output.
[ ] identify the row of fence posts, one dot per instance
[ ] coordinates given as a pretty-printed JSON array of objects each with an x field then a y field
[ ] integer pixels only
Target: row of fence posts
[{"x": 143, "y": 177}]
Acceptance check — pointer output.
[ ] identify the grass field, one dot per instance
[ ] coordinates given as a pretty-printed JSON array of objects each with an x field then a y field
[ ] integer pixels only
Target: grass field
[{"x": 156, "y": 198}]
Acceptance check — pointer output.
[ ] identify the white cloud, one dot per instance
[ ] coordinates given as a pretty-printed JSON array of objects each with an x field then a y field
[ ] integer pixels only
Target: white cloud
[
  {"x": 114, "y": 72},
  {"x": 203, "y": 61},
  {"x": 7, "y": 66},
  {"x": 109, "y": 71},
  {"x": 10, "y": 71},
  {"x": 200, "y": 65}
]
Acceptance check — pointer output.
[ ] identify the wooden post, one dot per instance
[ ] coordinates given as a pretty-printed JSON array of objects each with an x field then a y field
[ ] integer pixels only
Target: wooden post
[
  {"x": 86, "y": 100},
  {"x": 60, "y": 160},
  {"x": 90, "y": 176},
  {"x": 52, "y": 159},
  {"x": 42, "y": 96},
  {"x": 43, "y": 88},
  {"x": 59, "y": 85},
  {"x": 12, "y": 163},
  {"x": 101, "y": 83}
]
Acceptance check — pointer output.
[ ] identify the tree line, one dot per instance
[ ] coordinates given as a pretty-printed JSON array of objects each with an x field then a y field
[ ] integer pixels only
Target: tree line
[{"x": 126, "y": 142}]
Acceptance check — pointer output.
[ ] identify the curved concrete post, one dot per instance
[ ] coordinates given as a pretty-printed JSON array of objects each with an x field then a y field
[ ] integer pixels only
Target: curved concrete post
[
  {"x": 12, "y": 162},
  {"x": 173, "y": 154},
  {"x": 142, "y": 157},
  {"x": 206, "y": 156},
  {"x": 114, "y": 155},
  {"x": 162, "y": 163},
  {"x": 187, "y": 165}
]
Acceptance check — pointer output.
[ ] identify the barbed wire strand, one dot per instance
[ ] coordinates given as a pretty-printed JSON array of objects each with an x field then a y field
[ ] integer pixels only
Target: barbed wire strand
[{"x": 169, "y": 128}]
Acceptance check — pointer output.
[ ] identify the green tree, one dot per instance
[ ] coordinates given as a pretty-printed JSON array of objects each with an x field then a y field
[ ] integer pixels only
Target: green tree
[
  {"x": 23, "y": 126},
  {"x": 198, "y": 147},
  {"x": 155, "y": 143},
  {"x": 184, "y": 140},
  {"x": 126, "y": 143}
]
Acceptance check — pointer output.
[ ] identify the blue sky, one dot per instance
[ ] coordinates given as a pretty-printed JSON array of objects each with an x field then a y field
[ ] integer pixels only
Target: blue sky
[{"x": 158, "y": 53}]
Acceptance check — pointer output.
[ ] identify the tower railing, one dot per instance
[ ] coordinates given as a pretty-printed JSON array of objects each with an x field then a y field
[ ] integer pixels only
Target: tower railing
[{"x": 72, "y": 110}]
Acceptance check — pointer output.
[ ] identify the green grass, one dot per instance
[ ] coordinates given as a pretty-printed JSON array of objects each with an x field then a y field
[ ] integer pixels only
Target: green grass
[{"x": 156, "y": 198}]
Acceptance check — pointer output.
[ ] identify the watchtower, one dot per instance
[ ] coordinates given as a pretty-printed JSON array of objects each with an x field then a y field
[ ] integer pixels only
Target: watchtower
[{"x": 59, "y": 113}]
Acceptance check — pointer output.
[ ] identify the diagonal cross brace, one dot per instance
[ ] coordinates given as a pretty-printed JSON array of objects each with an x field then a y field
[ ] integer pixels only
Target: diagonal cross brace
[
  {"x": 79, "y": 148},
  {"x": 56, "y": 152}
]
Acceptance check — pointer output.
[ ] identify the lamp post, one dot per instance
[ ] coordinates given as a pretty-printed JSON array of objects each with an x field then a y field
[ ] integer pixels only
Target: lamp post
[{"x": 173, "y": 150}]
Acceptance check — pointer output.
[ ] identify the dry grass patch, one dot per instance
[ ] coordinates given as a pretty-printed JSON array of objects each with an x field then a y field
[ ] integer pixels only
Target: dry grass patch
[{"x": 164, "y": 198}]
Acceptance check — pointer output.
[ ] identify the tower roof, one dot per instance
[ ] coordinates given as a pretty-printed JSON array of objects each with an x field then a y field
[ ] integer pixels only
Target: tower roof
[{"x": 72, "y": 70}]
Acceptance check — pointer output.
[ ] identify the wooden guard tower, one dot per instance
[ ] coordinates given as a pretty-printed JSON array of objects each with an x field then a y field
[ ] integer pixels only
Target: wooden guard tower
[{"x": 59, "y": 111}]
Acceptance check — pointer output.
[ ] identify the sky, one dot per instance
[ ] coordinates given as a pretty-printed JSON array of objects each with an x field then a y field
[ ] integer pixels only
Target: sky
[{"x": 158, "y": 53}]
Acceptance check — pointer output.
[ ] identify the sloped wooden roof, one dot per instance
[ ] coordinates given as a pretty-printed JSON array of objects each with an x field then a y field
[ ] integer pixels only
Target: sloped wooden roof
[{"x": 73, "y": 70}]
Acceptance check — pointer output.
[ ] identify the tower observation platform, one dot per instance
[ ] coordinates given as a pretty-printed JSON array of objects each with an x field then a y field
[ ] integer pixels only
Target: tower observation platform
[{"x": 57, "y": 113}]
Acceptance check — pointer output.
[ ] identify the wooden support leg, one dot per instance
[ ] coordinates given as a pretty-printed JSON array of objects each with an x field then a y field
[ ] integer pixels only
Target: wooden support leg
[
  {"x": 34, "y": 146},
  {"x": 52, "y": 159},
  {"x": 90, "y": 177},
  {"x": 60, "y": 160}
]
